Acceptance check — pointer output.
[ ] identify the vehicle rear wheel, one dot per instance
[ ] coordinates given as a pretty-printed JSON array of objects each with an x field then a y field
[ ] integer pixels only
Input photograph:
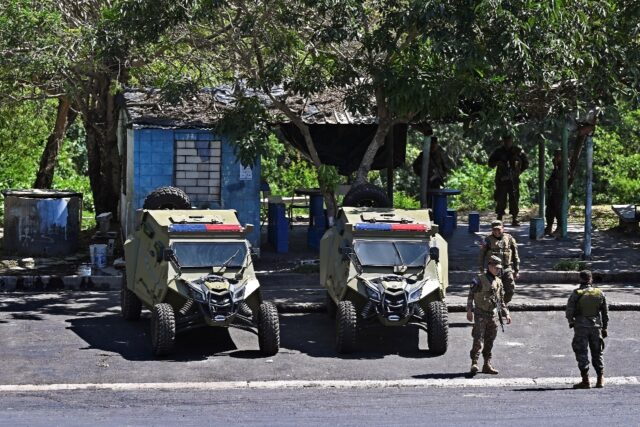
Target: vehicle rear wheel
[
  {"x": 331, "y": 306},
  {"x": 437, "y": 327},
  {"x": 130, "y": 304},
  {"x": 346, "y": 326},
  {"x": 163, "y": 329},
  {"x": 268, "y": 329},
  {"x": 167, "y": 198},
  {"x": 367, "y": 195}
]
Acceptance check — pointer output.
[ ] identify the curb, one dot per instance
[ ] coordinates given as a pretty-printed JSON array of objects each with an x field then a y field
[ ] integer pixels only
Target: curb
[
  {"x": 320, "y": 307},
  {"x": 59, "y": 283},
  {"x": 557, "y": 277}
]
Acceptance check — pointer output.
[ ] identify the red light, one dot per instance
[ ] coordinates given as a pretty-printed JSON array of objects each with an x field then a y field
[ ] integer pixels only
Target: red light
[
  {"x": 408, "y": 227},
  {"x": 223, "y": 227}
]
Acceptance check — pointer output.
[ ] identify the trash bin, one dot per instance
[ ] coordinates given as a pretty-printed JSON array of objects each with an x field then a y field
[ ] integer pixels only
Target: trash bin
[{"x": 41, "y": 222}]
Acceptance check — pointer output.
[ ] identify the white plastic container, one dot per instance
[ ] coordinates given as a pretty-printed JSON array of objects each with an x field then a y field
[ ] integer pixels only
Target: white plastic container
[{"x": 98, "y": 255}]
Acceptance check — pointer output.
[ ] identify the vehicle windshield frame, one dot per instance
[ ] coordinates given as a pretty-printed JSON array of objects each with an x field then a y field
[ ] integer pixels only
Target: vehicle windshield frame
[
  {"x": 395, "y": 247},
  {"x": 239, "y": 260}
]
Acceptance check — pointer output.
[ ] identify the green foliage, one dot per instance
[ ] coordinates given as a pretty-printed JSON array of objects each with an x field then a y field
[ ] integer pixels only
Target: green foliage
[
  {"x": 570, "y": 265},
  {"x": 476, "y": 182},
  {"x": 402, "y": 200},
  {"x": 284, "y": 170}
]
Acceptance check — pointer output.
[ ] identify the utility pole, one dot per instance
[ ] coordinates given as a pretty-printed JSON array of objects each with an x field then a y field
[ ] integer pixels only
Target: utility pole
[
  {"x": 424, "y": 176},
  {"x": 565, "y": 180}
]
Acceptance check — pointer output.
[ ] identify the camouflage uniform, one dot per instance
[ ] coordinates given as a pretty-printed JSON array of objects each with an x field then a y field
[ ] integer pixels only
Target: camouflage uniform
[
  {"x": 588, "y": 314},
  {"x": 506, "y": 249},
  {"x": 554, "y": 197},
  {"x": 510, "y": 163},
  {"x": 485, "y": 289},
  {"x": 439, "y": 167}
]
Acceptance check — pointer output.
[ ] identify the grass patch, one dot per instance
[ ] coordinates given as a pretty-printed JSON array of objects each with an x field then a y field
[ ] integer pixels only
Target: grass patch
[
  {"x": 570, "y": 265},
  {"x": 307, "y": 268}
]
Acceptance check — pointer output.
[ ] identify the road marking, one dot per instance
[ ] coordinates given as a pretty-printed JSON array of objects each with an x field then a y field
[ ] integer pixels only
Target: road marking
[{"x": 320, "y": 384}]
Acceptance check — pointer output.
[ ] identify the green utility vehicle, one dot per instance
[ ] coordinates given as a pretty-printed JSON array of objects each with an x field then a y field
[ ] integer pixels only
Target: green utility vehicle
[
  {"x": 193, "y": 268},
  {"x": 388, "y": 266}
]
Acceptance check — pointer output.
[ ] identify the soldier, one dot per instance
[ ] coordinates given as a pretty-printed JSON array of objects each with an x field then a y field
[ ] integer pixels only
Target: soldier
[
  {"x": 588, "y": 315},
  {"x": 510, "y": 161},
  {"x": 483, "y": 303},
  {"x": 439, "y": 165},
  {"x": 504, "y": 246},
  {"x": 554, "y": 194}
]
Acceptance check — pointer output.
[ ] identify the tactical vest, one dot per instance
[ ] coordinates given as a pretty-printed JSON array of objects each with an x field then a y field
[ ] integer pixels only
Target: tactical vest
[
  {"x": 501, "y": 248},
  {"x": 484, "y": 297},
  {"x": 589, "y": 302}
]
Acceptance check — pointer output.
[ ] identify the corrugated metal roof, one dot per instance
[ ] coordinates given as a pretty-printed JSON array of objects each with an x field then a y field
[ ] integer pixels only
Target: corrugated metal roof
[{"x": 147, "y": 108}]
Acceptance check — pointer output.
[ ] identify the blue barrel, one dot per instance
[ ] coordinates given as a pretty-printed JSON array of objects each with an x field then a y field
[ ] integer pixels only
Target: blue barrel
[
  {"x": 536, "y": 228},
  {"x": 439, "y": 208},
  {"x": 454, "y": 214},
  {"x": 474, "y": 222},
  {"x": 278, "y": 227},
  {"x": 446, "y": 229}
]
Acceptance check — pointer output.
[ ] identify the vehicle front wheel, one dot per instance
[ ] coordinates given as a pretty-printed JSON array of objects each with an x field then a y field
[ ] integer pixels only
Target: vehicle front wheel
[
  {"x": 268, "y": 329},
  {"x": 346, "y": 325},
  {"x": 130, "y": 304},
  {"x": 437, "y": 327},
  {"x": 163, "y": 329}
]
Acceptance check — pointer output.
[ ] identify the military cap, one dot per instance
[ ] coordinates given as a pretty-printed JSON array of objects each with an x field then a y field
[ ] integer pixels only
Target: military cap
[
  {"x": 496, "y": 224},
  {"x": 585, "y": 276},
  {"x": 496, "y": 261}
]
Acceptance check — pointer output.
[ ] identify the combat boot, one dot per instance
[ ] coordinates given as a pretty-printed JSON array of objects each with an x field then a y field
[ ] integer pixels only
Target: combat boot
[
  {"x": 600, "y": 381},
  {"x": 488, "y": 369},
  {"x": 474, "y": 366},
  {"x": 585, "y": 381}
]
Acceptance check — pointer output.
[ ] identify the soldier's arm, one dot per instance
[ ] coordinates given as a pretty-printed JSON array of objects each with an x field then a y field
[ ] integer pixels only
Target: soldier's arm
[
  {"x": 524, "y": 160},
  {"x": 571, "y": 308},
  {"x": 516, "y": 257},
  {"x": 604, "y": 312},
  {"x": 494, "y": 159},
  {"x": 472, "y": 290}
]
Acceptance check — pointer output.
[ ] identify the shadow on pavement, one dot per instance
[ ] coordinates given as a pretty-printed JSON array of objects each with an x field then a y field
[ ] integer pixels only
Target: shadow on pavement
[
  {"x": 314, "y": 335},
  {"x": 132, "y": 340},
  {"x": 544, "y": 388},
  {"x": 444, "y": 376}
]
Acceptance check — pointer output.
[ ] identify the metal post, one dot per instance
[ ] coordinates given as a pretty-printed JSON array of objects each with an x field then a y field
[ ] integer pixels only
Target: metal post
[
  {"x": 588, "y": 202},
  {"x": 565, "y": 180},
  {"x": 424, "y": 176},
  {"x": 541, "y": 196},
  {"x": 389, "y": 143}
]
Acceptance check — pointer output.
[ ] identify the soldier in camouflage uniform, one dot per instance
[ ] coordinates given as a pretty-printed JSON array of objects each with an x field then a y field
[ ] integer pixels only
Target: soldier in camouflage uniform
[
  {"x": 554, "y": 194},
  {"x": 510, "y": 161},
  {"x": 504, "y": 246},
  {"x": 588, "y": 315},
  {"x": 485, "y": 296},
  {"x": 439, "y": 165}
]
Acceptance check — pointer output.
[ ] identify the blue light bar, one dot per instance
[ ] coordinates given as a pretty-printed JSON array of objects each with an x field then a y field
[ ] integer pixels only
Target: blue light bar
[
  {"x": 187, "y": 228},
  {"x": 372, "y": 227}
]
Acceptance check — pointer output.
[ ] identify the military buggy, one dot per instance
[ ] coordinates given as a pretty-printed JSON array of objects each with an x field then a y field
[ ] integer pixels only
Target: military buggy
[
  {"x": 388, "y": 266},
  {"x": 192, "y": 268}
]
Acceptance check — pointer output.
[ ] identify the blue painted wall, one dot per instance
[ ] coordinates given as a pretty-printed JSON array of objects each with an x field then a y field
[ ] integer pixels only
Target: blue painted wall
[{"x": 154, "y": 167}]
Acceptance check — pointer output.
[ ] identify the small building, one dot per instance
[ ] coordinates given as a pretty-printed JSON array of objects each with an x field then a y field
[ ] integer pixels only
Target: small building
[{"x": 175, "y": 145}]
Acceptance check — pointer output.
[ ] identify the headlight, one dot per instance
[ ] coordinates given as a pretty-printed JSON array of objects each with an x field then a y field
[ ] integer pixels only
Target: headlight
[
  {"x": 416, "y": 294},
  {"x": 196, "y": 292},
  {"x": 372, "y": 291},
  {"x": 237, "y": 291}
]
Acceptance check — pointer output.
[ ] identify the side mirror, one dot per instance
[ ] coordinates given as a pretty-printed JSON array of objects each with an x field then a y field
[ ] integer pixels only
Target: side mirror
[
  {"x": 434, "y": 253},
  {"x": 248, "y": 228},
  {"x": 168, "y": 254}
]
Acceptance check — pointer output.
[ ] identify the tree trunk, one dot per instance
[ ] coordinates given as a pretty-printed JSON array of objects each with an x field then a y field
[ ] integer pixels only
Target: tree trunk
[
  {"x": 100, "y": 123},
  {"x": 369, "y": 155},
  {"x": 64, "y": 117}
]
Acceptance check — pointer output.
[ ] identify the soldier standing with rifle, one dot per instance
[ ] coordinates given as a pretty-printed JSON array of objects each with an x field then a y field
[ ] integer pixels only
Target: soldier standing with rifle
[
  {"x": 504, "y": 246},
  {"x": 484, "y": 305},
  {"x": 510, "y": 161},
  {"x": 588, "y": 315}
]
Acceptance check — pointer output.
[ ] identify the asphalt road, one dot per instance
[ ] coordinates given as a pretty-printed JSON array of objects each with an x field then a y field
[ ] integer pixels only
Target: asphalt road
[
  {"x": 368, "y": 407},
  {"x": 81, "y": 338}
]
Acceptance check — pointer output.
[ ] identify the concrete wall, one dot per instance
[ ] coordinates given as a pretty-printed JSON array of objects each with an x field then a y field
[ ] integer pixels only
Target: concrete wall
[{"x": 154, "y": 166}]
